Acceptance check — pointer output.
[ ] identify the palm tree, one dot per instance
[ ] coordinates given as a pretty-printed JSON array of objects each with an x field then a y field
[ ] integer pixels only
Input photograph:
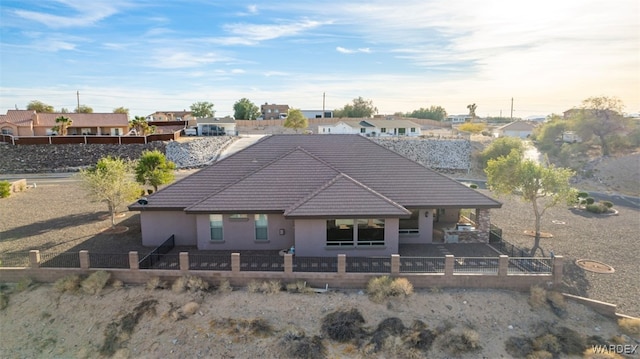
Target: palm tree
[
  {"x": 141, "y": 126},
  {"x": 472, "y": 110},
  {"x": 62, "y": 124}
]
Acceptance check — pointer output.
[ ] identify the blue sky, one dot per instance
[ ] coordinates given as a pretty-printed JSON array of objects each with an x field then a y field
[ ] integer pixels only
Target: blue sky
[{"x": 150, "y": 55}]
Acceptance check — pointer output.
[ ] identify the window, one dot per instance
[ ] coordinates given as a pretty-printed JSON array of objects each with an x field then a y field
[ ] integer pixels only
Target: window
[
  {"x": 413, "y": 129},
  {"x": 238, "y": 217},
  {"x": 262, "y": 227},
  {"x": 370, "y": 232},
  {"x": 402, "y": 131},
  {"x": 340, "y": 232},
  {"x": 363, "y": 130},
  {"x": 410, "y": 225},
  {"x": 7, "y": 131},
  {"x": 215, "y": 224},
  {"x": 383, "y": 130}
]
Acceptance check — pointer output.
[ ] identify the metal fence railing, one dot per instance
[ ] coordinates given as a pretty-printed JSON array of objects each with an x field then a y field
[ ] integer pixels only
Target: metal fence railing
[
  {"x": 475, "y": 265},
  {"x": 60, "y": 259},
  {"x": 368, "y": 264},
  {"x": 14, "y": 259},
  {"x": 272, "y": 263},
  {"x": 203, "y": 261},
  {"x": 109, "y": 260},
  {"x": 315, "y": 264},
  {"x": 530, "y": 265},
  {"x": 510, "y": 249},
  {"x": 165, "y": 261},
  {"x": 150, "y": 260},
  {"x": 421, "y": 264}
]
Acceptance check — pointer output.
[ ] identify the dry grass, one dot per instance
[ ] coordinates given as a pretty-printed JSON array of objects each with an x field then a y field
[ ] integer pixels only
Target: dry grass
[
  {"x": 459, "y": 341},
  {"x": 190, "y": 308},
  {"x": 298, "y": 287},
  {"x": 95, "y": 282},
  {"x": 265, "y": 287},
  {"x": 630, "y": 326},
  {"x": 190, "y": 283},
  {"x": 69, "y": 284},
  {"x": 155, "y": 283},
  {"x": 382, "y": 288},
  {"x": 224, "y": 286}
]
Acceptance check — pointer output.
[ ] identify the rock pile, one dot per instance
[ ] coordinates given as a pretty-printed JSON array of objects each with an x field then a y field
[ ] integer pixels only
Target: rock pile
[
  {"x": 198, "y": 152},
  {"x": 450, "y": 154}
]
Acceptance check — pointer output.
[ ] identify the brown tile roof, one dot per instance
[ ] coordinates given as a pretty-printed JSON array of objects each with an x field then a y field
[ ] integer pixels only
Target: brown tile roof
[
  {"x": 18, "y": 117},
  {"x": 283, "y": 172},
  {"x": 85, "y": 119}
]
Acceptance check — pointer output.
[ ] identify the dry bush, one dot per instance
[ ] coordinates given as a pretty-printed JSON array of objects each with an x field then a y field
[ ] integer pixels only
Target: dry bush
[
  {"x": 298, "y": 287},
  {"x": 591, "y": 354},
  {"x": 155, "y": 283},
  {"x": 630, "y": 326},
  {"x": 244, "y": 327},
  {"x": 459, "y": 341},
  {"x": 343, "y": 325},
  {"x": 23, "y": 285},
  {"x": 196, "y": 284},
  {"x": 224, "y": 286},
  {"x": 253, "y": 286},
  {"x": 540, "y": 354},
  {"x": 295, "y": 344},
  {"x": 271, "y": 287},
  {"x": 537, "y": 297},
  {"x": 557, "y": 303},
  {"x": 179, "y": 285},
  {"x": 95, "y": 282},
  {"x": 382, "y": 288},
  {"x": 190, "y": 308},
  {"x": 117, "y": 283},
  {"x": 547, "y": 342},
  {"x": 572, "y": 342},
  {"x": 68, "y": 284},
  {"x": 518, "y": 347}
]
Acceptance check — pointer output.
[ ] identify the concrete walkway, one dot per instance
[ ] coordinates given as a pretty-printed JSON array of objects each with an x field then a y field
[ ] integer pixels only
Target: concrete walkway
[{"x": 243, "y": 142}]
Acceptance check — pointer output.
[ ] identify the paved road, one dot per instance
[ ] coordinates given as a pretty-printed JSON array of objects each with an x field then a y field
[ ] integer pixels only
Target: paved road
[{"x": 243, "y": 142}]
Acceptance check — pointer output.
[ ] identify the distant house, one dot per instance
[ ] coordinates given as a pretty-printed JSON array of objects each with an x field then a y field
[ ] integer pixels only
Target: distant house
[
  {"x": 210, "y": 126},
  {"x": 273, "y": 111},
  {"x": 571, "y": 137},
  {"x": 322, "y": 195},
  {"x": 31, "y": 123},
  {"x": 373, "y": 128},
  {"x": 317, "y": 114},
  {"x": 170, "y": 116},
  {"x": 454, "y": 119},
  {"x": 520, "y": 129}
]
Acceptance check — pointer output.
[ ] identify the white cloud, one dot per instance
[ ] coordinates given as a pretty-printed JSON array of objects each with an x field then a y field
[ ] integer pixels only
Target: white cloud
[
  {"x": 344, "y": 50},
  {"x": 237, "y": 71},
  {"x": 84, "y": 13},
  {"x": 178, "y": 59},
  {"x": 255, "y": 32}
]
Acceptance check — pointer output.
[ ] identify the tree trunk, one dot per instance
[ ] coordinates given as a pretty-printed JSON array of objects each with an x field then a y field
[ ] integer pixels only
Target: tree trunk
[
  {"x": 536, "y": 241},
  {"x": 604, "y": 145},
  {"x": 112, "y": 210}
]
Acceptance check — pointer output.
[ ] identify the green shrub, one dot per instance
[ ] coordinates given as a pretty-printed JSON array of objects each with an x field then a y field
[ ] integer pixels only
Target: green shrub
[
  {"x": 597, "y": 208},
  {"x": 473, "y": 185},
  {"x": 582, "y": 194},
  {"x": 607, "y": 204},
  {"x": 23, "y": 284},
  {"x": 590, "y": 200},
  {"x": 5, "y": 189}
]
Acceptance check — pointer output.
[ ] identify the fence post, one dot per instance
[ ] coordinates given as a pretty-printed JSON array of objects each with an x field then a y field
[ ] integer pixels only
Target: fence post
[
  {"x": 342, "y": 264},
  {"x": 134, "y": 261},
  {"x": 503, "y": 265},
  {"x": 235, "y": 262},
  {"x": 558, "y": 268},
  {"x": 84, "y": 259},
  {"x": 34, "y": 258},
  {"x": 288, "y": 263},
  {"x": 448, "y": 265},
  {"x": 395, "y": 264},
  {"x": 184, "y": 261}
]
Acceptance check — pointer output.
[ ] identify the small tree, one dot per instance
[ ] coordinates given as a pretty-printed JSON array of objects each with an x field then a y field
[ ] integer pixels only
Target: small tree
[
  {"x": 600, "y": 117},
  {"x": 110, "y": 182},
  {"x": 543, "y": 187},
  {"x": 141, "y": 126},
  {"x": 39, "y": 106},
  {"x": 84, "y": 109},
  {"x": 154, "y": 169},
  {"x": 501, "y": 147},
  {"x": 358, "y": 108},
  {"x": 245, "y": 110},
  {"x": 63, "y": 123},
  {"x": 296, "y": 120},
  {"x": 121, "y": 110},
  {"x": 202, "y": 109}
]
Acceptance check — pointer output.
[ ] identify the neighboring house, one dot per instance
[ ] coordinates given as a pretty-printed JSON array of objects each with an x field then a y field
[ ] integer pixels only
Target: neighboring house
[
  {"x": 373, "y": 128},
  {"x": 323, "y": 195},
  {"x": 170, "y": 116},
  {"x": 273, "y": 111},
  {"x": 521, "y": 129},
  {"x": 317, "y": 114},
  {"x": 453, "y": 119},
  {"x": 207, "y": 126},
  {"x": 571, "y": 137},
  {"x": 30, "y": 123}
]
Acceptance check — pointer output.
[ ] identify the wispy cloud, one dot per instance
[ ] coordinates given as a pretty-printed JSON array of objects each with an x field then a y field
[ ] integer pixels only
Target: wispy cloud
[
  {"x": 250, "y": 11},
  {"x": 83, "y": 13},
  {"x": 344, "y": 50},
  {"x": 179, "y": 60},
  {"x": 259, "y": 32}
]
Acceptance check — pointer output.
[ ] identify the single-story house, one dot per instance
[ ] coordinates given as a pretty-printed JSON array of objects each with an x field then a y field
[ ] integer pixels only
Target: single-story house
[
  {"x": 521, "y": 129},
  {"x": 323, "y": 195},
  {"x": 310, "y": 114},
  {"x": 209, "y": 126},
  {"x": 453, "y": 119},
  {"x": 183, "y": 115},
  {"x": 31, "y": 123},
  {"x": 373, "y": 128}
]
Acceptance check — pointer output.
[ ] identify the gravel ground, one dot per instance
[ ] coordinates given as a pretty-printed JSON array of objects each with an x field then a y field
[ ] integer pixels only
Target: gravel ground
[{"x": 58, "y": 217}]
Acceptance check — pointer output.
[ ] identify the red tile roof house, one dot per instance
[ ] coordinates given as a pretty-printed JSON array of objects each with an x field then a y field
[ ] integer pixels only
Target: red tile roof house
[
  {"x": 322, "y": 194},
  {"x": 30, "y": 123}
]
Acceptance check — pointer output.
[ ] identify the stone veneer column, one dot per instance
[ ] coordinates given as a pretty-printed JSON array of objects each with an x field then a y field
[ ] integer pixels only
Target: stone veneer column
[
  {"x": 483, "y": 219},
  {"x": 134, "y": 261},
  {"x": 395, "y": 264}
]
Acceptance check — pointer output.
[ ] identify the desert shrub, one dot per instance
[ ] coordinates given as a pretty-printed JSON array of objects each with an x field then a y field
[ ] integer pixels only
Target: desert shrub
[
  {"x": 607, "y": 204},
  {"x": 630, "y": 326},
  {"x": 4, "y": 300},
  {"x": 473, "y": 185},
  {"x": 590, "y": 200},
  {"x": 459, "y": 341},
  {"x": 117, "y": 283},
  {"x": 419, "y": 337},
  {"x": 583, "y": 194},
  {"x": 572, "y": 342},
  {"x": 593, "y": 353},
  {"x": 540, "y": 354},
  {"x": 266, "y": 287},
  {"x": 191, "y": 283},
  {"x": 95, "y": 282},
  {"x": 298, "y": 287},
  {"x": 518, "y": 347},
  {"x": 597, "y": 208},
  {"x": 253, "y": 286},
  {"x": 224, "y": 286},
  {"x": 343, "y": 325},
  {"x": 190, "y": 308},
  {"x": 179, "y": 285},
  {"x": 384, "y": 287},
  {"x": 256, "y": 326},
  {"x": 5, "y": 189},
  {"x": 556, "y": 299},
  {"x": 68, "y": 284},
  {"x": 23, "y": 284},
  {"x": 537, "y": 297},
  {"x": 155, "y": 283},
  {"x": 295, "y": 344},
  {"x": 547, "y": 342}
]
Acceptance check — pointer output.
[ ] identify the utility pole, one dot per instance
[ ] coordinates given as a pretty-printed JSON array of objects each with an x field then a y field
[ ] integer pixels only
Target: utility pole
[
  {"x": 512, "y": 109},
  {"x": 323, "y": 99},
  {"x": 78, "y": 97}
]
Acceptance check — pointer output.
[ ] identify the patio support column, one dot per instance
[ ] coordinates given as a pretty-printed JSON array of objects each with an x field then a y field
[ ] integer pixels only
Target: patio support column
[
  {"x": 184, "y": 261},
  {"x": 448, "y": 265},
  {"x": 503, "y": 265},
  {"x": 342, "y": 264},
  {"x": 288, "y": 263},
  {"x": 84, "y": 259},
  {"x": 483, "y": 219},
  {"x": 395, "y": 264},
  {"x": 34, "y": 258},
  {"x": 235, "y": 262},
  {"x": 134, "y": 261},
  {"x": 558, "y": 268}
]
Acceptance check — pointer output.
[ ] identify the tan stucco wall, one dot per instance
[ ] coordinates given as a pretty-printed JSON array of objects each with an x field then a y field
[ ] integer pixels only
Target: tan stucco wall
[
  {"x": 157, "y": 226},
  {"x": 240, "y": 234},
  {"x": 425, "y": 224}
]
